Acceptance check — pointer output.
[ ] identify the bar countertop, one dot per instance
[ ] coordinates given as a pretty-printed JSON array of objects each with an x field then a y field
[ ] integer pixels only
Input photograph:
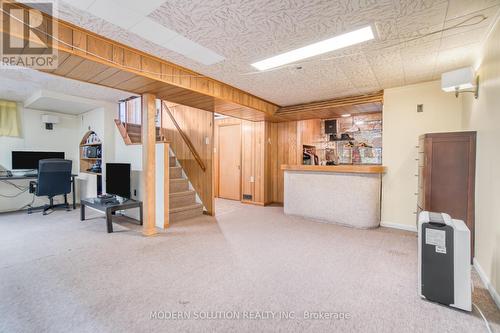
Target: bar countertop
[{"x": 336, "y": 168}]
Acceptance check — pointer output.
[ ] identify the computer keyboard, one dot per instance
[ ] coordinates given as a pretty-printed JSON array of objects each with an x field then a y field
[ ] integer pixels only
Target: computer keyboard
[{"x": 30, "y": 174}]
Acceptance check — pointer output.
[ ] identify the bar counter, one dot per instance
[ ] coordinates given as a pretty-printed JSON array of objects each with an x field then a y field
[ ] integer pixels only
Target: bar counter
[{"x": 342, "y": 194}]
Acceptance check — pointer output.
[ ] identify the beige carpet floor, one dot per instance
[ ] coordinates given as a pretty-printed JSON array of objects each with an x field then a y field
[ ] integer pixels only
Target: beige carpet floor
[{"x": 58, "y": 274}]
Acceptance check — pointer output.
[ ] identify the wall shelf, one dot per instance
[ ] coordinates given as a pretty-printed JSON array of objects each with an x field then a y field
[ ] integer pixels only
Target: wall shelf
[
  {"x": 91, "y": 144},
  {"x": 86, "y": 163},
  {"x": 92, "y": 173}
]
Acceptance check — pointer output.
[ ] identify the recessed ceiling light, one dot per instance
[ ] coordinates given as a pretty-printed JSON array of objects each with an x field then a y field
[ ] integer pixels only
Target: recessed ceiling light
[
  {"x": 346, "y": 115},
  {"x": 328, "y": 45}
]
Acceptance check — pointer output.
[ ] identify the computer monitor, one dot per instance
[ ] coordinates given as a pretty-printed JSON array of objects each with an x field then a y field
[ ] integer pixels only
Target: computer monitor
[
  {"x": 118, "y": 179},
  {"x": 28, "y": 160}
]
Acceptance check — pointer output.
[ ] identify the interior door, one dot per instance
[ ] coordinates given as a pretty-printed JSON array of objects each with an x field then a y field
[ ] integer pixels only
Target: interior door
[{"x": 230, "y": 162}]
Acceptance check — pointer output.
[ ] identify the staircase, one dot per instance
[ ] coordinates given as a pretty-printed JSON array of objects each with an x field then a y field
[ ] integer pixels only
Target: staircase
[
  {"x": 182, "y": 200},
  {"x": 132, "y": 133}
]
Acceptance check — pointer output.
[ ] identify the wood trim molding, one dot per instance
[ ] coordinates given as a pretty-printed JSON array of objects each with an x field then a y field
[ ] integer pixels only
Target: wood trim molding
[
  {"x": 336, "y": 168},
  {"x": 333, "y": 108},
  {"x": 334, "y": 103}
]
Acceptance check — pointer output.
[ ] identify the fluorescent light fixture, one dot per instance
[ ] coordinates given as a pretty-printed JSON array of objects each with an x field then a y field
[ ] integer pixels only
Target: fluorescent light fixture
[
  {"x": 153, "y": 31},
  {"x": 359, "y": 122},
  {"x": 80, "y": 4},
  {"x": 459, "y": 79},
  {"x": 346, "y": 115},
  {"x": 328, "y": 45},
  {"x": 131, "y": 15},
  {"x": 114, "y": 12}
]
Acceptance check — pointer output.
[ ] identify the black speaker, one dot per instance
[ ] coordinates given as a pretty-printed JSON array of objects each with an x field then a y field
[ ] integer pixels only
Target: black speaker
[{"x": 331, "y": 126}]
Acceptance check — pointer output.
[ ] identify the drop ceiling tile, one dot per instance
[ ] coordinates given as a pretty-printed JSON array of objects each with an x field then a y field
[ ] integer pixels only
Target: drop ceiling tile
[
  {"x": 386, "y": 31},
  {"x": 451, "y": 59},
  {"x": 143, "y": 7},
  {"x": 462, "y": 38},
  {"x": 423, "y": 22},
  {"x": 471, "y": 21},
  {"x": 248, "y": 31},
  {"x": 358, "y": 70},
  {"x": 458, "y": 8},
  {"x": 387, "y": 66},
  {"x": 415, "y": 7},
  {"x": 410, "y": 53}
]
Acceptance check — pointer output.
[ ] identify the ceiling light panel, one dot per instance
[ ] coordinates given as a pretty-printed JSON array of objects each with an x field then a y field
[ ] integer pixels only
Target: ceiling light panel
[
  {"x": 194, "y": 51},
  {"x": 154, "y": 32},
  {"x": 80, "y": 4},
  {"x": 114, "y": 12},
  {"x": 328, "y": 45},
  {"x": 132, "y": 16},
  {"x": 143, "y": 7}
]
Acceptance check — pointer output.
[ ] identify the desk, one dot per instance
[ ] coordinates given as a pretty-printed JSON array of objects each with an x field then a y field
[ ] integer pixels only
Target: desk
[
  {"x": 109, "y": 209},
  {"x": 27, "y": 177}
]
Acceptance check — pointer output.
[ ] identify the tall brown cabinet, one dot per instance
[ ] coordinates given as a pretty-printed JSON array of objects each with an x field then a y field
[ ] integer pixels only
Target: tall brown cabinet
[{"x": 446, "y": 175}]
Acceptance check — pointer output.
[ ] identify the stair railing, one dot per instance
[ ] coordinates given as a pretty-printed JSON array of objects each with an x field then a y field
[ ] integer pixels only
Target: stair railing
[{"x": 188, "y": 142}]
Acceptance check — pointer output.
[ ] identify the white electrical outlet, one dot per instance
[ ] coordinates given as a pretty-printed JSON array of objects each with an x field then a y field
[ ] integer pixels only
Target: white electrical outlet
[{"x": 252, "y": 179}]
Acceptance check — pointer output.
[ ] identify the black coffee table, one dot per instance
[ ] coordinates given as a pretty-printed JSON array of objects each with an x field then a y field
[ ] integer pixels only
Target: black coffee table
[{"x": 109, "y": 209}]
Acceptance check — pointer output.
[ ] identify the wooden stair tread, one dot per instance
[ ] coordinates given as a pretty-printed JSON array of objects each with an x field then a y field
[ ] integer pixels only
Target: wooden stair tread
[
  {"x": 182, "y": 193},
  {"x": 176, "y": 172},
  {"x": 178, "y": 180},
  {"x": 185, "y": 208},
  {"x": 132, "y": 133}
]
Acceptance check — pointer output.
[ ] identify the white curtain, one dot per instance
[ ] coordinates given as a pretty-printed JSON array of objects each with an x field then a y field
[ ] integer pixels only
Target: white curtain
[{"x": 9, "y": 125}]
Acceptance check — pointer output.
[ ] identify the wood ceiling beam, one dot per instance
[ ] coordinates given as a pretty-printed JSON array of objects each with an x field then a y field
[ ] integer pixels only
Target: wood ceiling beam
[
  {"x": 89, "y": 57},
  {"x": 81, "y": 48},
  {"x": 332, "y": 108},
  {"x": 334, "y": 103}
]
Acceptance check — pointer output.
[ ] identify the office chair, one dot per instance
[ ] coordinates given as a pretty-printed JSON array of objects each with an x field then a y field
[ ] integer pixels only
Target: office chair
[{"x": 54, "y": 178}]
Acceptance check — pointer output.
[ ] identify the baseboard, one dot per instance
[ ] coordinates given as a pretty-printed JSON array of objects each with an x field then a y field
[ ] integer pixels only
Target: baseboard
[
  {"x": 494, "y": 294},
  {"x": 399, "y": 226}
]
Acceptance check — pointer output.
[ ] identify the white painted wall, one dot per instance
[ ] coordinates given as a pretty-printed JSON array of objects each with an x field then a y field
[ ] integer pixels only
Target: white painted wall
[
  {"x": 64, "y": 137},
  {"x": 402, "y": 126},
  {"x": 483, "y": 115},
  {"x": 130, "y": 154},
  {"x": 101, "y": 121}
]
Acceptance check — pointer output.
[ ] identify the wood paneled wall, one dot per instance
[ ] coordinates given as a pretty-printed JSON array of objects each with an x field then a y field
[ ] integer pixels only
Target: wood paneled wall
[
  {"x": 89, "y": 57},
  {"x": 198, "y": 126},
  {"x": 286, "y": 140}
]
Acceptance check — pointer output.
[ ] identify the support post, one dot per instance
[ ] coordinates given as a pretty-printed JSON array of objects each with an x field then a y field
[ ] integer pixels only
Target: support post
[{"x": 149, "y": 163}]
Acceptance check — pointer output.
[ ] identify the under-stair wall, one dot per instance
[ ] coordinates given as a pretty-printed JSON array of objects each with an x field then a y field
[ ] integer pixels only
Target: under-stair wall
[{"x": 198, "y": 127}]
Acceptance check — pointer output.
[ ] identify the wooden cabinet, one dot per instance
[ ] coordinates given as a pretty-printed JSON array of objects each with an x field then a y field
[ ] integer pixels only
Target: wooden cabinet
[{"x": 446, "y": 175}]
